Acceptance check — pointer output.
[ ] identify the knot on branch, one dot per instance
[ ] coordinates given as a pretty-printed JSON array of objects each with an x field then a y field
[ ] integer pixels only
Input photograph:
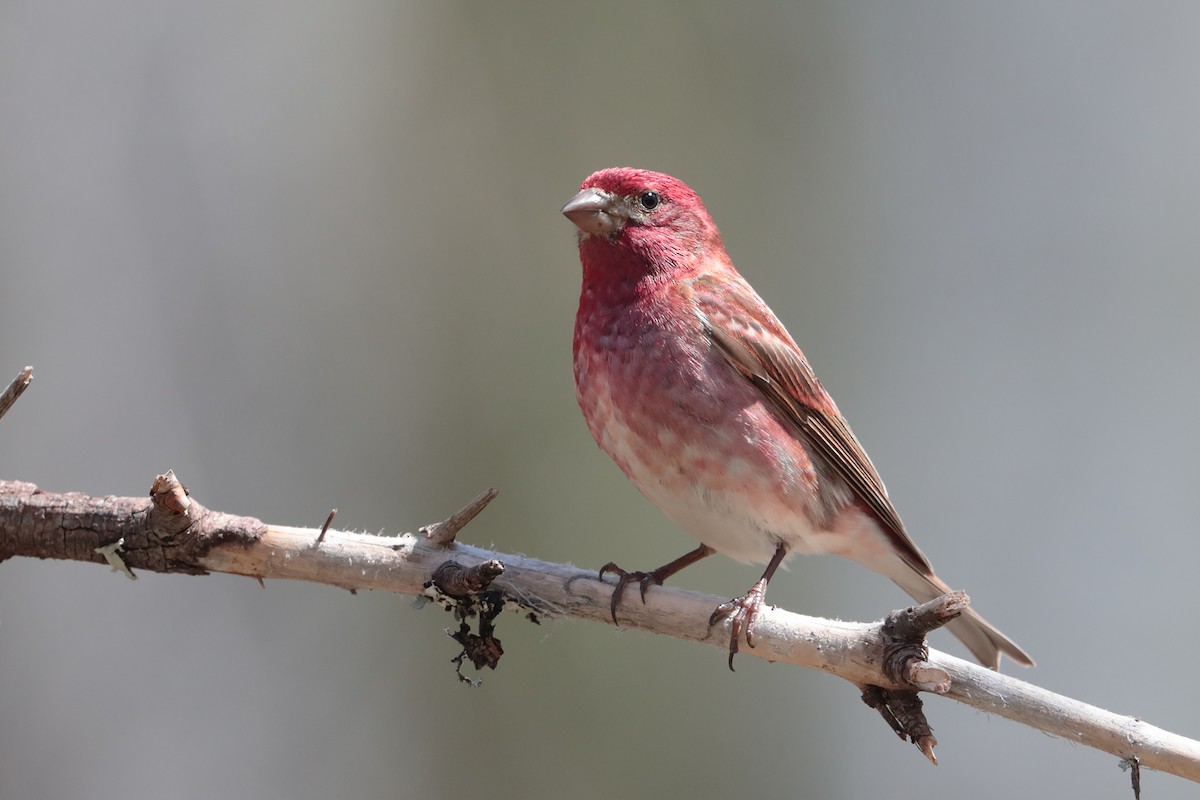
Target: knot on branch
[
  {"x": 905, "y": 655},
  {"x": 905, "y": 652},
  {"x": 184, "y": 531},
  {"x": 170, "y": 503},
  {"x": 460, "y": 582}
]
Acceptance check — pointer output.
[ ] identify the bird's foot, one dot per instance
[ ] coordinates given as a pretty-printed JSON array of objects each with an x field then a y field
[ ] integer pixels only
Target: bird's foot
[
  {"x": 644, "y": 580},
  {"x": 742, "y": 613},
  {"x": 648, "y": 579}
]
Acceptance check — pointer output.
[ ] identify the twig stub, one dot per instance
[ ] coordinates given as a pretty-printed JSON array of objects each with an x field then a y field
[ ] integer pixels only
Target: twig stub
[
  {"x": 169, "y": 495},
  {"x": 919, "y": 621},
  {"x": 442, "y": 534},
  {"x": 14, "y": 390},
  {"x": 325, "y": 527},
  {"x": 904, "y": 713},
  {"x": 1134, "y": 765}
]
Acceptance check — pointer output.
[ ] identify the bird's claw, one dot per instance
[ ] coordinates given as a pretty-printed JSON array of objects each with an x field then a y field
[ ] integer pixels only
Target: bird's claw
[
  {"x": 644, "y": 580},
  {"x": 742, "y": 613}
]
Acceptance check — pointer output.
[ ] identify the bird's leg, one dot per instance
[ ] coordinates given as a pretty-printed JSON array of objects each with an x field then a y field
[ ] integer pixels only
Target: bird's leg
[
  {"x": 648, "y": 579},
  {"x": 743, "y": 610}
]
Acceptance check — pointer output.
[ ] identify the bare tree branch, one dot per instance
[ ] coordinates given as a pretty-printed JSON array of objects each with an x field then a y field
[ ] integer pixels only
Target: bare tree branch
[{"x": 171, "y": 532}]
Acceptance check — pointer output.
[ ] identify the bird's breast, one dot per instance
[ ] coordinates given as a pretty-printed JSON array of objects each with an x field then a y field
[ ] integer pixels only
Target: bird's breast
[
  {"x": 643, "y": 380},
  {"x": 693, "y": 435}
]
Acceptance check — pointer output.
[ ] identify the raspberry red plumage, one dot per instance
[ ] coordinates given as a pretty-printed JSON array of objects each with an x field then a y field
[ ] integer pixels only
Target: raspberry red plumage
[{"x": 693, "y": 386}]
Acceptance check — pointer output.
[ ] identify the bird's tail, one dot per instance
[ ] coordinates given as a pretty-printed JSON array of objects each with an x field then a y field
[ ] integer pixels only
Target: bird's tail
[{"x": 982, "y": 638}]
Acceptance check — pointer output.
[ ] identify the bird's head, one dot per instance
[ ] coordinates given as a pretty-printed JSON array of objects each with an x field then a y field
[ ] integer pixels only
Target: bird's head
[{"x": 652, "y": 216}]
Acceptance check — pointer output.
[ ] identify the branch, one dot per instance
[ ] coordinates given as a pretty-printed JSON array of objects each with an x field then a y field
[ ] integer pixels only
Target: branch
[
  {"x": 171, "y": 532},
  {"x": 14, "y": 390}
]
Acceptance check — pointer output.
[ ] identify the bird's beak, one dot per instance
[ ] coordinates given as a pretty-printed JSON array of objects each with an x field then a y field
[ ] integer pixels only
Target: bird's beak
[{"x": 594, "y": 212}]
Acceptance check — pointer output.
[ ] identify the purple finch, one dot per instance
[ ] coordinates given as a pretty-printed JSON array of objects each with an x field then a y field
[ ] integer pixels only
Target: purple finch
[{"x": 700, "y": 395}]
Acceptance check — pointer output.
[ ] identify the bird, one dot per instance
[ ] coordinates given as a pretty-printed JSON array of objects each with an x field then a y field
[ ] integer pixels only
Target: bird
[{"x": 693, "y": 386}]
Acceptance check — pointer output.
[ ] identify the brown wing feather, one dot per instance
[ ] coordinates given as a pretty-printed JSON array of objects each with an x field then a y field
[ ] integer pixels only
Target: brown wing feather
[{"x": 757, "y": 345}]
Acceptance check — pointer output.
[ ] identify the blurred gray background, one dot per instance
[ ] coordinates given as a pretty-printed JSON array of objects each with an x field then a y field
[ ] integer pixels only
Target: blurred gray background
[{"x": 310, "y": 255}]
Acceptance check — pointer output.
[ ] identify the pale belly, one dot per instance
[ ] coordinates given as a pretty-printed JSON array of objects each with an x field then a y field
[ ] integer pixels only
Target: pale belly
[{"x": 732, "y": 474}]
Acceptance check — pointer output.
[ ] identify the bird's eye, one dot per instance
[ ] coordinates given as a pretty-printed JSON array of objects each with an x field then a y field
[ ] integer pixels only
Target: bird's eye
[{"x": 649, "y": 200}]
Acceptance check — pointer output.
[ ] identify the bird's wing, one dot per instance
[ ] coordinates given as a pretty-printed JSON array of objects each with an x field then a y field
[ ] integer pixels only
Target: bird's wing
[{"x": 755, "y": 342}]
